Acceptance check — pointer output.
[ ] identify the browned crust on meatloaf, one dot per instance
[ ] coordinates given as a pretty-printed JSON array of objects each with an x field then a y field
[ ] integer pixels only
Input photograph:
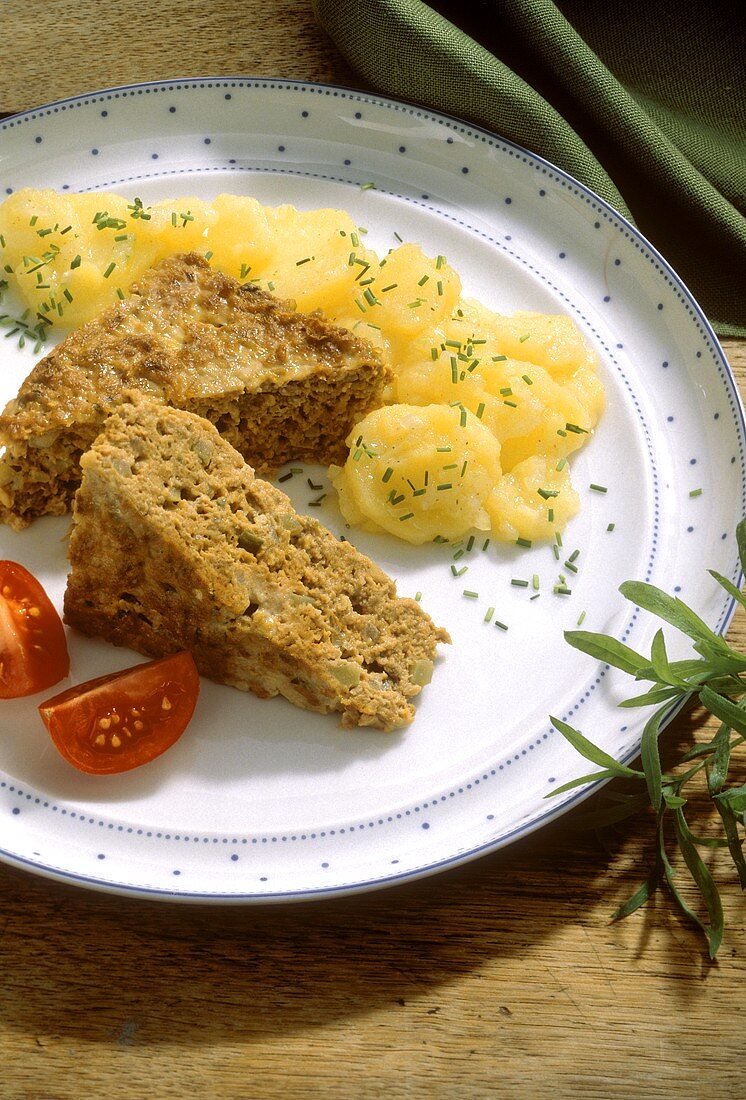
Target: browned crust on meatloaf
[
  {"x": 177, "y": 545},
  {"x": 279, "y": 385}
]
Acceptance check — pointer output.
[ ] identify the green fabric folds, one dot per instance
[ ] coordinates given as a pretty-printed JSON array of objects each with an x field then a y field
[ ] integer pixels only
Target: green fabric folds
[{"x": 644, "y": 102}]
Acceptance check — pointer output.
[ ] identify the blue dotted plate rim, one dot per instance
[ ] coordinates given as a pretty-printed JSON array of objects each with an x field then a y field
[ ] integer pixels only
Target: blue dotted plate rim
[{"x": 565, "y": 179}]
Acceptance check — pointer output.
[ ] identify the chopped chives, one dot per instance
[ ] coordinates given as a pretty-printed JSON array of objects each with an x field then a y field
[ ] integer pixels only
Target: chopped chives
[
  {"x": 695, "y": 493},
  {"x": 518, "y": 583},
  {"x": 561, "y": 464},
  {"x": 550, "y": 515},
  {"x": 500, "y": 626},
  {"x": 576, "y": 429},
  {"x": 311, "y": 485},
  {"x": 109, "y": 269},
  {"x": 470, "y": 542},
  {"x": 535, "y": 582},
  {"x": 470, "y": 595},
  {"x": 76, "y": 262},
  {"x": 459, "y": 572},
  {"x": 286, "y": 477},
  {"x": 423, "y": 280},
  {"x": 581, "y": 618},
  {"x": 305, "y": 260},
  {"x": 418, "y": 596},
  {"x": 499, "y": 358},
  {"x": 524, "y": 338},
  {"x": 510, "y": 404},
  {"x": 527, "y": 379},
  {"x": 407, "y": 515},
  {"x": 610, "y": 526},
  {"x": 571, "y": 566},
  {"x": 547, "y": 494},
  {"x": 486, "y": 544},
  {"x": 387, "y": 474},
  {"x": 480, "y": 410},
  {"x": 598, "y": 488},
  {"x": 445, "y": 485},
  {"x": 488, "y": 614},
  {"x": 523, "y": 542},
  {"x": 575, "y": 555},
  {"x": 393, "y": 286},
  {"x": 458, "y": 554}
]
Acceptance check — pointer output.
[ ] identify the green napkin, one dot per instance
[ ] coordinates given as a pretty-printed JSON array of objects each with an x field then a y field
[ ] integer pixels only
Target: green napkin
[{"x": 644, "y": 102}]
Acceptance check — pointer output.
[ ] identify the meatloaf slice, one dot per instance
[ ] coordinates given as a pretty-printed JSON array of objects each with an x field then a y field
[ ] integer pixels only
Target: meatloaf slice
[
  {"x": 177, "y": 545},
  {"x": 278, "y": 384}
]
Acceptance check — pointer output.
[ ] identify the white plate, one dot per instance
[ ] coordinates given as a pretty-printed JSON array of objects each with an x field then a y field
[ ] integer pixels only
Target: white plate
[{"x": 259, "y": 800}]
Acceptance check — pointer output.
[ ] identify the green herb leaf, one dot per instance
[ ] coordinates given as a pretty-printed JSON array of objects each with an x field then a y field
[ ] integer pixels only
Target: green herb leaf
[
  {"x": 592, "y": 752},
  {"x": 651, "y": 761},
  {"x": 724, "y": 709},
  {"x": 704, "y": 881},
  {"x": 606, "y": 649},
  {"x": 674, "y": 611}
]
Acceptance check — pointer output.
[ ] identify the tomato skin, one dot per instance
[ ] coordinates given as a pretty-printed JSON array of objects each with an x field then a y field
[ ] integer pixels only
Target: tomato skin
[
  {"x": 33, "y": 645},
  {"x": 121, "y": 721}
]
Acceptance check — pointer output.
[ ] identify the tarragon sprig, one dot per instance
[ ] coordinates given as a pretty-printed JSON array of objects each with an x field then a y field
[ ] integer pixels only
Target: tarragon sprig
[{"x": 717, "y": 679}]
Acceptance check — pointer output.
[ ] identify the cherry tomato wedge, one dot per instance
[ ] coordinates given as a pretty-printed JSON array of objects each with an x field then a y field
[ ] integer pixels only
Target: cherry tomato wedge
[
  {"x": 33, "y": 648},
  {"x": 118, "y": 722}
]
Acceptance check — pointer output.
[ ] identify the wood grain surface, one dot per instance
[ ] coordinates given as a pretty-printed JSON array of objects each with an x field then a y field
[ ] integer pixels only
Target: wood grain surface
[{"x": 502, "y": 978}]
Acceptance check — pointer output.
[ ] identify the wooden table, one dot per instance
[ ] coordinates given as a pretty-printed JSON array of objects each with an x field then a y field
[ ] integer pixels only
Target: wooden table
[{"x": 502, "y": 978}]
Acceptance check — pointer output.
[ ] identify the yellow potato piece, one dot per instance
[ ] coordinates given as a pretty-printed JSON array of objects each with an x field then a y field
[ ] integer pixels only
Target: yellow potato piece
[
  {"x": 418, "y": 472},
  {"x": 550, "y": 340},
  {"x": 532, "y": 501},
  {"x": 320, "y": 259}
]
